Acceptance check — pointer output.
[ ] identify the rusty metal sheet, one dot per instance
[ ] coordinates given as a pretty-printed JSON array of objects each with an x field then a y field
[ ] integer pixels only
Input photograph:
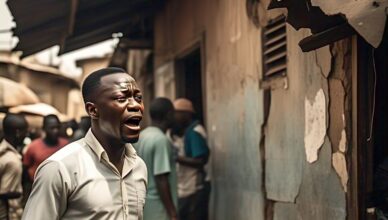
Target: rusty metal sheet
[{"x": 366, "y": 17}]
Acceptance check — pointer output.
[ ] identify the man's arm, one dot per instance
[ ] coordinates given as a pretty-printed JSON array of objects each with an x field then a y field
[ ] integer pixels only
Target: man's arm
[
  {"x": 48, "y": 199},
  {"x": 198, "y": 162},
  {"x": 161, "y": 169},
  {"x": 198, "y": 151},
  {"x": 163, "y": 187},
  {"x": 11, "y": 189}
]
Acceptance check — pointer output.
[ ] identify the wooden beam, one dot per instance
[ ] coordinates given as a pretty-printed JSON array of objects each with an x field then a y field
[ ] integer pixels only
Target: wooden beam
[
  {"x": 104, "y": 31},
  {"x": 326, "y": 37},
  {"x": 69, "y": 27},
  {"x": 72, "y": 13},
  {"x": 126, "y": 43}
]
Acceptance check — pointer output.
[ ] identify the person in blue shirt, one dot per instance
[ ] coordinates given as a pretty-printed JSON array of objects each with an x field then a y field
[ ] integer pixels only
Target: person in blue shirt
[{"x": 190, "y": 140}]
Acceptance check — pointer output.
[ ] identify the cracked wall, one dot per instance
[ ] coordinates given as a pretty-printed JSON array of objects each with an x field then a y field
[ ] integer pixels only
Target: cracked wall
[
  {"x": 305, "y": 137},
  {"x": 306, "y": 169}
]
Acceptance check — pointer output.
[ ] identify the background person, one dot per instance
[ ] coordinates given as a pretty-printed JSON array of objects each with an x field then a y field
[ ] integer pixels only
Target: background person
[
  {"x": 156, "y": 150},
  {"x": 15, "y": 130},
  {"x": 189, "y": 137},
  {"x": 41, "y": 148}
]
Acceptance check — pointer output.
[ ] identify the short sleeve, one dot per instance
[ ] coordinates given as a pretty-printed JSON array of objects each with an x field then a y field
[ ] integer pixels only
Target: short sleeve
[
  {"x": 48, "y": 199},
  {"x": 196, "y": 145},
  {"x": 161, "y": 156}
]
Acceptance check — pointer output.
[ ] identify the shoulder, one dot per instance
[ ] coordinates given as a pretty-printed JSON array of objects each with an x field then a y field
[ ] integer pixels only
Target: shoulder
[
  {"x": 10, "y": 161},
  {"x": 68, "y": 151},
  {"x": 140, "y": 163},
  {"x": 63, "y": 141},
  {"x": 140, "y": 168},
  {"x": 200, "y": 130},
  {"x": 153, "y": 135},
  {"x": 36, "y": 143},
  {"x": 71, "y": 155}
]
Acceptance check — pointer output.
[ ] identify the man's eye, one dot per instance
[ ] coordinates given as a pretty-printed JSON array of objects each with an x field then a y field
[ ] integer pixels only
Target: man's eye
[
  {"x": 121, "y": 99},
  {"x": 139, "y": 98}
]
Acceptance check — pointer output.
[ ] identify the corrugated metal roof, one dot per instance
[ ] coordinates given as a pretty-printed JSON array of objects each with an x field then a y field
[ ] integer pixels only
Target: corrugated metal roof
[{"x": 74, "y": 24}]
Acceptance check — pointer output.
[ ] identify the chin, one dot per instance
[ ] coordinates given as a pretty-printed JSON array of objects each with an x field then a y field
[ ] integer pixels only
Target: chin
[{"x": 130, "y": 139}]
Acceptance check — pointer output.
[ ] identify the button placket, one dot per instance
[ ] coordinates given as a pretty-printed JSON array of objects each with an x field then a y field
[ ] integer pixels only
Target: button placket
[{"x": 124, "y": 196}]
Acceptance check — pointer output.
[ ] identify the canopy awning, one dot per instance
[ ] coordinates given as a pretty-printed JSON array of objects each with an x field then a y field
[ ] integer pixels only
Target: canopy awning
[
  {"x": 13, "y": 94},
  {"x": 39, "y": 109},
  {"x": 74, "y": 24}
]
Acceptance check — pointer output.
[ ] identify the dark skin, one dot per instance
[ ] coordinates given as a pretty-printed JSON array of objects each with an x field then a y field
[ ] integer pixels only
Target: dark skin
[
  {"x": 116, "y": 102},
  {"x": 183, "y": 120},
  {"x": 51, "y": 128},
  {"x": 162, "y": 183},
  {"x": 19, "y": 132}
]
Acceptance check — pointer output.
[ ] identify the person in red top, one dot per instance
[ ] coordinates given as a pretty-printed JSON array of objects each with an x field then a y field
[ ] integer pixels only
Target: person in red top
[{"x": 42, "y": 148}]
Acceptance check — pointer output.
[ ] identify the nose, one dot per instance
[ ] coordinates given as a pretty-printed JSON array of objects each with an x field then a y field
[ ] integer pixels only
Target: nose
[{"x": 133, "y": 105}]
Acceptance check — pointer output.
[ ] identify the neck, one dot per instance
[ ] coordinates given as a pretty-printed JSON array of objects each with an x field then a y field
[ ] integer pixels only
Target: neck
[
  {"x": 51, "y": 142},
  {"x": 11, "y": 142},
  {"x": 161, "y": 125},
  {"x": 113, "y": 147}
]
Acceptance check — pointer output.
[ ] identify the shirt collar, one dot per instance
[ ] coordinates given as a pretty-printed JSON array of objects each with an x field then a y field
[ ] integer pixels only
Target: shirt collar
[
  {"x": 5, "y": 145},
  {"x": 97, "y": 148}
]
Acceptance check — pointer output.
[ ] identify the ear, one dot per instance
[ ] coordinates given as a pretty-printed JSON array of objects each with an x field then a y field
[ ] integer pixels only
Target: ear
[{"x": 92, "y": 110}]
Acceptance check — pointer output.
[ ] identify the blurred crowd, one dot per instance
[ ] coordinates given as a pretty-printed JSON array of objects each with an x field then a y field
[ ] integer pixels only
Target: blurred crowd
[{"x": 23, "y": 149}]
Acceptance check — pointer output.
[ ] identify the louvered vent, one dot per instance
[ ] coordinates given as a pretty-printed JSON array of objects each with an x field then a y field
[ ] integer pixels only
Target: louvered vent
[{"x": 275, "y": 48}]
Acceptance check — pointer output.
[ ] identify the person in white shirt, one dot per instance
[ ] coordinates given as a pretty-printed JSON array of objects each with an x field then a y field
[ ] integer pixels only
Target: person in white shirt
[
  {"x": 99, "y": 176},
  {"x": 15, "y": 130}
]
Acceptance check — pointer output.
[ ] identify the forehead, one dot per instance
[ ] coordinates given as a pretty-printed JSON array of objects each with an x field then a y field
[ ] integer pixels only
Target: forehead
[
  {"x": 120, "y": 81},
  {"x": 19, "y": 123}
]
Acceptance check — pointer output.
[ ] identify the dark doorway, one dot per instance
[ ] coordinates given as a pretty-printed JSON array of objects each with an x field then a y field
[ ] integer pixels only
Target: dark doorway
[
  {"x": 188, "y": 78},
  {"x": 372, "y": 123}
]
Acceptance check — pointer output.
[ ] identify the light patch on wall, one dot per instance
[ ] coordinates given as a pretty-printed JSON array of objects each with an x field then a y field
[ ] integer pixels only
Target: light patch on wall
[
  {"x": 342, "y": 143},
  {"x": 339, "y": 164},
  {"x": 236, "y": 37},
  {"x": 315, "y": 125}
]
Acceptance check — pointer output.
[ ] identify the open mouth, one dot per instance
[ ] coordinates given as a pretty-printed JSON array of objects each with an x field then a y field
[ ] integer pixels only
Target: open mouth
[{"x": 133, "y": 122}]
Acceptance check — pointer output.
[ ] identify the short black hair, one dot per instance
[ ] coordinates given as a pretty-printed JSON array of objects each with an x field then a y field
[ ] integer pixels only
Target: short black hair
[
  {"x": 160, "y": 107},
  {"x": 93, "y": 81},
  {"x": 10, "y": 120},
  {"x": 49, "y": 117}
]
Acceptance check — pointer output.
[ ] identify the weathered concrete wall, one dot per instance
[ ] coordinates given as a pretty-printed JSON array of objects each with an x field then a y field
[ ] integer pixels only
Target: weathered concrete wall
[
  {"x": 231, "y": 49},
  {"x": 306, "y": 140},
  {"x": 306, "y": 135}
]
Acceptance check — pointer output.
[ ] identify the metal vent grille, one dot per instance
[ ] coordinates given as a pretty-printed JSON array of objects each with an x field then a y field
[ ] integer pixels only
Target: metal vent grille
[{"x": 275, "y": 48}]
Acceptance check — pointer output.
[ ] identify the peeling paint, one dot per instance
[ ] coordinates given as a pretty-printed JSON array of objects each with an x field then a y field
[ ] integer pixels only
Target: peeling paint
[
  {"x": 315, "y": 125},
  {"x": 323, "y": 61},
  {"x": 339, "y": 164},
  {"x": 342, "y": 143}
]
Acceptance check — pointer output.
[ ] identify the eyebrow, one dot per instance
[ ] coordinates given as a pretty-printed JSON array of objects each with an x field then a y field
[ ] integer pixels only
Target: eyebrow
[{"x": 127, "y": 86}]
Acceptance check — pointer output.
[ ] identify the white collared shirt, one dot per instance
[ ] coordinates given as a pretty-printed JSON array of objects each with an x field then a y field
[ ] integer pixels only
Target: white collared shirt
[
  {"x": 10, "y": 179},
  {"x": 79, "y": 182}
]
